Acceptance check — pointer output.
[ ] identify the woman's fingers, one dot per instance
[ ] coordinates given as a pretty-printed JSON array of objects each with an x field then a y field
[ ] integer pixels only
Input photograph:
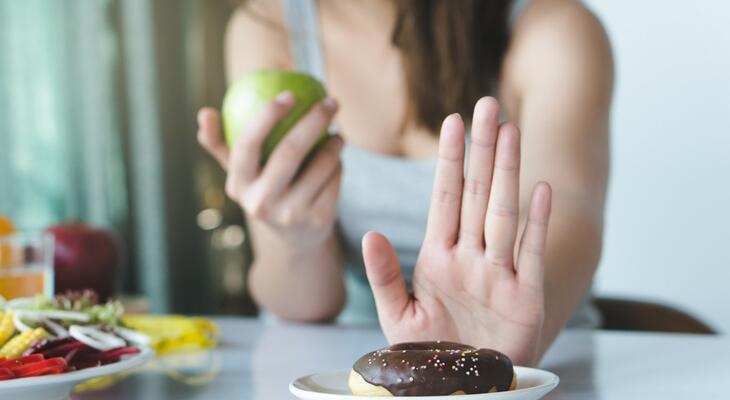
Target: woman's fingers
[
  {"x": 317, "y": 173},
  {"x": 210, "y": 135},
  {"x": 287, "y": 157},
  {"x": 480, "y": 162},
  {"x": 532, "y": 246},
  {"x": 443, "y": 215},
  {"x": 245, "y": 157},
  {"x": 324, "y": 208},
  {"x": 386, "y": 281},
  {"x": 503, "y": 209}
]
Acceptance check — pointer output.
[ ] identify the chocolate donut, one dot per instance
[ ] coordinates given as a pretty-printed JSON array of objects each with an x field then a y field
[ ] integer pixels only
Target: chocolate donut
[{"x": 431, "y": 369}]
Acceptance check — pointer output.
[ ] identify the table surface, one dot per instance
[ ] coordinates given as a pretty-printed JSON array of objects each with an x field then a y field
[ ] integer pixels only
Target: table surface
[{"x": 257, "y": 360}]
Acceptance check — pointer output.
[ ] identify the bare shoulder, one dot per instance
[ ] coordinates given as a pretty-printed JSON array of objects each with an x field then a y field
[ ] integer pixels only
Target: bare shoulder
[
  {"x": 558, "y": 42},
  {"x": 256, "y": 37}
]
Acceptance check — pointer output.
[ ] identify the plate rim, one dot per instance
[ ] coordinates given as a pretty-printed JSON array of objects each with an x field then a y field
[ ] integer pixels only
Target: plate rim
[
  {"x": 550, "y": 385},
  {"x": 126, "y": 363}
]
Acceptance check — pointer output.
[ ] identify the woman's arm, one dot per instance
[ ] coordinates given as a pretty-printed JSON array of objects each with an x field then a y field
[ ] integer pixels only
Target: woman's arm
[
  {"x": 296, "y": 273},
  {"x": 558, "y": 81}
]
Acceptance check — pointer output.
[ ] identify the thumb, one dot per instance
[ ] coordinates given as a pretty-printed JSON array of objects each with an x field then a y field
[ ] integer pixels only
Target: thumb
[
  {"x": 210, "y": 135},
  {"x": 383, "y": 271}
]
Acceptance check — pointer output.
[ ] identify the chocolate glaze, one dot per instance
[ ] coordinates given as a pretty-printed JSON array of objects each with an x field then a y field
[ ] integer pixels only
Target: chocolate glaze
[{"x": 435, "y": 368}]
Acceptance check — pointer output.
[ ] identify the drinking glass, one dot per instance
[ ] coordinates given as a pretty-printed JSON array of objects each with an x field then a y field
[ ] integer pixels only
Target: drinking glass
[{"x": 26, "y": 265}]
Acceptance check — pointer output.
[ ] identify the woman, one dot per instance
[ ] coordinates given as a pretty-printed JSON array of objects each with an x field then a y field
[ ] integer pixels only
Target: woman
[{"x": 472, "y": 244}]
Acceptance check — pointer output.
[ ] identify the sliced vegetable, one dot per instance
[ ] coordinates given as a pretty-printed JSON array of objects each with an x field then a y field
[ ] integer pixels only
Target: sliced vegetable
[
  {"x": 6, "y": 374},
  {"x": 56, "y": 329},
  {"x": 22, "y": 342},
  {"x": 133, "y": 336},
  {"x": 46, "y": 367},
  {"x": 106, "y": 357},
  {"x": 95, "y": 338},
  {"x": 20, "y": 303},
  {"x": 65, "y": 333},
  {"x": 56, "y": 314},
  {"x": 7, "y": 328},
  {"x": 19, "y": 324},
  {"x": 63, "y": 349},
  {"x": 21, "y": 361},
  {"x": 46, "y": 344},
  {"x": 83, "y": 301}
]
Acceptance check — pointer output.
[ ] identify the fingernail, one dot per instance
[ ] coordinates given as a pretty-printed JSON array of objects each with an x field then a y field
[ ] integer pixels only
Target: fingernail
[
  {"x": 452, "y": 121},
  {"x": 285, "y": 97},
  {"x": 330, "y": 104},
  {"x": 200, "y": 116}
]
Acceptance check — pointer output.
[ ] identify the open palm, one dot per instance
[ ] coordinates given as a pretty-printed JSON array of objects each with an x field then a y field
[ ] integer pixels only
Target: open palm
[{"x": 468, "y": 285}]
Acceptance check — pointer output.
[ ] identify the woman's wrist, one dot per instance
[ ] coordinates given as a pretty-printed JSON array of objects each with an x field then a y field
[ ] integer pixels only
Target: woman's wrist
[
  {"x": 291, "y": 244},
  {"x": 304, "y": 284}
]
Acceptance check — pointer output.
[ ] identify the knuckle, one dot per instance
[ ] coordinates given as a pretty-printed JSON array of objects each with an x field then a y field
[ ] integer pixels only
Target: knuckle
[
  {"x": 275, "y": 110},
  {"x": 503, "y": 210},
  {"x": 471, "y": 238},
  {"x": 256, "y": 206},
  {"x": 321, "y": 111},
  {"x": 446, "y": 197},
  {"x": 475, "y": 187},
  {"x": 535, "y": 249},
  {"x": 498, "y": 260},
  {"x": 231, "y": 189},
  {"x": 507, "y": 166},
  {"x": 318, "y": 116},
  {"x": 290, "y": 215},
  {"x": 249, "y": 141},
  {"x": 290, "y": 148}
]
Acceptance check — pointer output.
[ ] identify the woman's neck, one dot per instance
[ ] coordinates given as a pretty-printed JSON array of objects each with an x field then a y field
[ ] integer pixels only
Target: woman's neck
[{"x": 361, "y": 15}]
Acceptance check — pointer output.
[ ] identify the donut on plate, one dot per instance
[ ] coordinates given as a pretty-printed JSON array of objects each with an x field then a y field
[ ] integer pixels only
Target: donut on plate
[{"x": 431, "y": 369}]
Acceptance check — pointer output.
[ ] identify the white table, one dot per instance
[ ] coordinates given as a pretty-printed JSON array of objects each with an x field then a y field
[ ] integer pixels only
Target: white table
[{"x": 257, "y": 361}]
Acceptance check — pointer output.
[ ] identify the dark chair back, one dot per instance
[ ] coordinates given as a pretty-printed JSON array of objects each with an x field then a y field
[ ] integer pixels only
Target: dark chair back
[{"x": 633, "y": 315}]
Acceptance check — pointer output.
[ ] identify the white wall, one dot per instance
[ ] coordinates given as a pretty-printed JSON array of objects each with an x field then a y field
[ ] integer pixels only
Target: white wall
[{"x": 668, "y": 221}]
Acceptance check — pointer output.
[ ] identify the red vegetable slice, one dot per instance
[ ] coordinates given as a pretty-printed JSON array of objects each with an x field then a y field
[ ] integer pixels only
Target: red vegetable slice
[
  {"x": 78, "y": 365},
  {"x": 107, "y": 357},
  {"x": 46, "y": 367},
  {"x": 43, "y": 371},
  {"x": 64, "y": 349},
  {"x": 15, "y": 362},
  {"x": 49, "y": 344},
  {"x": 6, "y": 374}
]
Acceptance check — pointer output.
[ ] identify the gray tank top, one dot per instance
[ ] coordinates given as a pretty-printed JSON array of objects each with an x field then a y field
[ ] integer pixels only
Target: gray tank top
[{"x": 379, "y": 192}]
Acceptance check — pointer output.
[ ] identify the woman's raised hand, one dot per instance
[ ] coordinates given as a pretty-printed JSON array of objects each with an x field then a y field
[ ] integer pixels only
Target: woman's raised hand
[
  {"x": 468, "y": 285},
  {"x": 300, "y": 204}
]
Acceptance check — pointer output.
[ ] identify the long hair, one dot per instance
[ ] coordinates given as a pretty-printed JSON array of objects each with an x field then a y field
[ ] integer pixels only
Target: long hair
[{"x": 452, "y": 53}]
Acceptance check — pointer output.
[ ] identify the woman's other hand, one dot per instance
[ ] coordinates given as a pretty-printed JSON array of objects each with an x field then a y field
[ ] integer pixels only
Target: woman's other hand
[
  {"x": 298, "y": 203},
  {"x": 468, "y": 284}
]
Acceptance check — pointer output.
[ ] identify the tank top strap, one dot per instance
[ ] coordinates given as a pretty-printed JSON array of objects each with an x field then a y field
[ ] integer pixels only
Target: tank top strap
[
  {"x": 304, "y": 38},
  {"x": 517, "y": 7}
]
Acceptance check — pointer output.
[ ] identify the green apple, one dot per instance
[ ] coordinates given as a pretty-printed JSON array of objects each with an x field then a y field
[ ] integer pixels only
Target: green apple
[{"x": 245, "y": 98}]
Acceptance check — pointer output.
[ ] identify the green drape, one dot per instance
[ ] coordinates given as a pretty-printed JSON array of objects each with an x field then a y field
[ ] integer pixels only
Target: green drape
[
  {"x": 97, "y": 123},
  {"x": 60, "y": 143}
]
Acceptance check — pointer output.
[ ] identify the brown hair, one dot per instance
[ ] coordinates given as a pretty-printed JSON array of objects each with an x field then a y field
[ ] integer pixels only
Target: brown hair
[{"x": 452, "y": 53}]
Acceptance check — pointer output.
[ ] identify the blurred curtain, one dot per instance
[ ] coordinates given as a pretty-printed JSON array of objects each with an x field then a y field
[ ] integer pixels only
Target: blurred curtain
[
  {"x": 97, "y": 122},
  {"x": 60, "y": 142}
]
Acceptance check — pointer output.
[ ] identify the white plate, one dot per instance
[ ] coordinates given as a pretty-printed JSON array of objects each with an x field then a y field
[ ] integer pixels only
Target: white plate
[
  {"x": 56, "y": 387},
  {"x": 532, "y": 384}
]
